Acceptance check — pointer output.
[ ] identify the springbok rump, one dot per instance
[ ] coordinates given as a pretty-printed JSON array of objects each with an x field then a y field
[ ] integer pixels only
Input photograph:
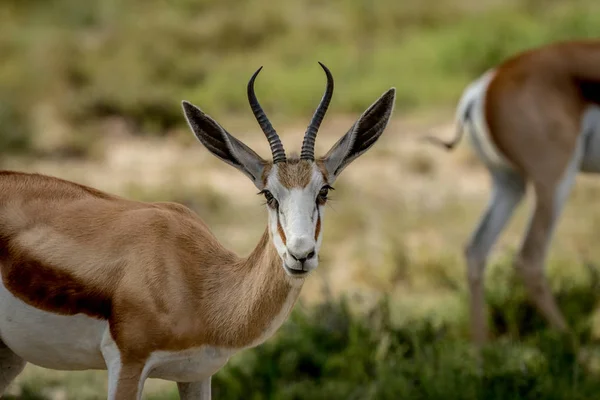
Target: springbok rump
[
  {"x": 95, "y": 281},
  {"x": 532, "y": 119}
]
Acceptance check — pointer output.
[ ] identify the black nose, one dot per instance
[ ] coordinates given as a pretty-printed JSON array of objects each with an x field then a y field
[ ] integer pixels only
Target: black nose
[{"x": 308, "y": 256}]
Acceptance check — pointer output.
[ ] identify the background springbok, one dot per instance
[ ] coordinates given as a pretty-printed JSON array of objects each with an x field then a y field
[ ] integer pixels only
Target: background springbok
[
  {"x": 533, "y": 118},
  {"x": 95, "y": 281}
]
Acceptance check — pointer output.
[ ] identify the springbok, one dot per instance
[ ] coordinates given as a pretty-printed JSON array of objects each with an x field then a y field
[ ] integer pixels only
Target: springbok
[
  {"x": 95, "y": 281},
  {"x": 532, "y": 119}
]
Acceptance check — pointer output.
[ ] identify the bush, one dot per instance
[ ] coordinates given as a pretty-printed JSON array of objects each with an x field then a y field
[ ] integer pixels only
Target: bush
[{"x": 332, "y": 353}]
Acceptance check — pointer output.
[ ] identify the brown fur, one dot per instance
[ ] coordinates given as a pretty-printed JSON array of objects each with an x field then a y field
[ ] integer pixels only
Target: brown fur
[
  {"x": 534, "y": 105},
  {"x": 321, "y": 166},
  {"x": 295, "y": 173},
  {"x": 154, "y": 270},
  {"x": 266, "y": 171},
  {"x": 49, "y": 288}
]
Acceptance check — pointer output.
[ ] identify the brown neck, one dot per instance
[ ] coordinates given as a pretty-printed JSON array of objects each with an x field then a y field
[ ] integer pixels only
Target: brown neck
[{"x": 244, "y": 298}]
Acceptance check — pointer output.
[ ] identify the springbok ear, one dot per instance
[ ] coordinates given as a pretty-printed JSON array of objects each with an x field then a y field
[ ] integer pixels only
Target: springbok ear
[
  {"x": 363, "y": 134},
  {"x": 223, "y": 145}
]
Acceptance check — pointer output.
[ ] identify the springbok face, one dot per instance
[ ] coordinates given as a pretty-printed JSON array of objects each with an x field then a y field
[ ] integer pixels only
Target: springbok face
[{"x": 295, "y": 188}]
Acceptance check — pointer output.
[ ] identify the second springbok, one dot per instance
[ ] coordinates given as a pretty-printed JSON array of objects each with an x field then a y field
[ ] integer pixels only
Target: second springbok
[
  {"x": 95, "y": 281},
  {"x": 532, "y": 119}
]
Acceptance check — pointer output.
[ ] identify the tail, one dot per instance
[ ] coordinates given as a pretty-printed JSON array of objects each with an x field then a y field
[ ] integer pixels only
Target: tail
[
  {"x": 463, "y": 115},
  {"x": 460, "y": 129}
]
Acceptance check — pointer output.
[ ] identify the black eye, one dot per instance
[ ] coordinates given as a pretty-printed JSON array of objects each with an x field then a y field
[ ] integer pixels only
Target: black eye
[
  {"x": 322, "y": 197},
  {"x": 271, "y": 201}
]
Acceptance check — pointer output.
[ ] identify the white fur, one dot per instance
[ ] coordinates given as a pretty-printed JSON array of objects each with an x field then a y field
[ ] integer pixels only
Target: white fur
[
  {"x": 192, "y": 365},
  {"x": 50, "y": 340},
  {"x": 298, "y": 214},
  {"x": 112, "y": 358},
  {"x": 591, "y": 136},
  {"x": 479, "y": 135}
]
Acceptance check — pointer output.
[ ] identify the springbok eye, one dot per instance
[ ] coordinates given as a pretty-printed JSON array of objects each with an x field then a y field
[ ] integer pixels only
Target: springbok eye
[
  {"x": 322, "y": 197},
  {"x": 271, "y": 201}
]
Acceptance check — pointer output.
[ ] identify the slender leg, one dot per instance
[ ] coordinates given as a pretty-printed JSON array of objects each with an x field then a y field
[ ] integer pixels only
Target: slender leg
[
  {"x": 125, "y": 380},
  {"x": 530, "y": 261},
  {"x": 531, "y": 258},
  {"x": 11, "y": 365},
  {"x": 508, "y": 190},
  {"x": 128, "y": 384},
  {"x": 194, "y": 390}
]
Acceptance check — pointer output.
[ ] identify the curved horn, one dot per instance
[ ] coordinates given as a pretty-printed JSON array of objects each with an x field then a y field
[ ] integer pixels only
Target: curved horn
[
  {"x": 274, "y": 141},
  {"x": 308, "y": 145}
]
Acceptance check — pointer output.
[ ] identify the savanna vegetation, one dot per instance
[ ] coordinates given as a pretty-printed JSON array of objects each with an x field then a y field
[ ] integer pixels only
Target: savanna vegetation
[{"x": 91, "y": 91}]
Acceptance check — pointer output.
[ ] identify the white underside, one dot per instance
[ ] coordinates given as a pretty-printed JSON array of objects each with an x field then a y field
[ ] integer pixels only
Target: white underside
[
  {"x": 50, "y": 340},
  {"x": 76, "y": 343}
]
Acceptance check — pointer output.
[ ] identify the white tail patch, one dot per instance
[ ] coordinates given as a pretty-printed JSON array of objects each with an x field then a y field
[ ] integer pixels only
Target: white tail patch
[{"x": 470, "y": 115}]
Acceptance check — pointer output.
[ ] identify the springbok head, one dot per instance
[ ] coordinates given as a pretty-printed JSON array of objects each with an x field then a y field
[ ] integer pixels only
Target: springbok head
[{"x": 295, "y": 188}]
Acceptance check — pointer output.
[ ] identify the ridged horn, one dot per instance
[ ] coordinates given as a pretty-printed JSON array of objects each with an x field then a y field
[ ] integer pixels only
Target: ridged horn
[
  {"x": 308, "y": 144},
  {"x": 272, "y": 136}
]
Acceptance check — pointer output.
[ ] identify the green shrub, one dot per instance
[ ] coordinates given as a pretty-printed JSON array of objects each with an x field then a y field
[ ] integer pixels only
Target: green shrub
[
  {"x": 15, "y": 132},
  {"x": 333, "y": 353}
]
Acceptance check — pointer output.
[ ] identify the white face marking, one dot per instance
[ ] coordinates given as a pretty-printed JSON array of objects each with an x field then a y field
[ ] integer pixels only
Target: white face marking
[{"x": 298, "y": 214}]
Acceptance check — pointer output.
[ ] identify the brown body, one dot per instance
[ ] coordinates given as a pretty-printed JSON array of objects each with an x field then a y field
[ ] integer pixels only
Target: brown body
[
  {"x": 535, "y": 102},
  {"x": 526, "y": 118},
  {"x": 55, "y": 255}
]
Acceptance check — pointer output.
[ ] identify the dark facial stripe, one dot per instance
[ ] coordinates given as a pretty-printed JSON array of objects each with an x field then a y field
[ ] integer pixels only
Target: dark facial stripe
[
  {"x": 280, "y": 230},
  {"x": 318, "y": 227}
]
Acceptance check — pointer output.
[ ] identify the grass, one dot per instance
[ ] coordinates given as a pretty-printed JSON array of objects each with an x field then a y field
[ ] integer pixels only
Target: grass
[
  {"x": 77, "y": 63},
  {"x": 345, "y": 356},
  {"x": 331, "y": 352}
]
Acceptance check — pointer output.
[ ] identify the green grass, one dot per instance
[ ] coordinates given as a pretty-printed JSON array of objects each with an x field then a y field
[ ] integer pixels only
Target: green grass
[
  {"x": 331, "y": 352},
  {"x": 138, "y": 59}
]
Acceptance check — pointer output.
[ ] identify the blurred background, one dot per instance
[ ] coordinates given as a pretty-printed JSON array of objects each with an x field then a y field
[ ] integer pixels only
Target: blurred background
[{"x": 90, "y": 91}]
